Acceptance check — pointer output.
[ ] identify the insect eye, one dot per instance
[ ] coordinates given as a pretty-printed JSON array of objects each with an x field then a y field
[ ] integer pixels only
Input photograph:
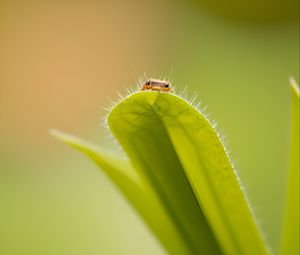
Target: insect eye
[
  {"x": 148, "y": 83},
  {"x": 167, "y": 85}
]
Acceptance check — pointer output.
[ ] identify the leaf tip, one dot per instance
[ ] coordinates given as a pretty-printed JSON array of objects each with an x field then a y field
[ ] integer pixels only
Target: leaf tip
[
  {"x": 55, "y": 132},
  {"x": 294, "y": 85},
  {"x": 62, "y": 136}
]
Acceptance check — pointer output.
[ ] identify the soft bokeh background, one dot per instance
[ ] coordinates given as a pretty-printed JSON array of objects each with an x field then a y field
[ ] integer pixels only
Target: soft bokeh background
[{"x": 60, "y": 61}]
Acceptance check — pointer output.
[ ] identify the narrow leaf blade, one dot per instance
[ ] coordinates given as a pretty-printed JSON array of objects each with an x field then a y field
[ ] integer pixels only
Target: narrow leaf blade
[
  {"x": 136, "y": 190},
  {"x": 290, "y": 240}
]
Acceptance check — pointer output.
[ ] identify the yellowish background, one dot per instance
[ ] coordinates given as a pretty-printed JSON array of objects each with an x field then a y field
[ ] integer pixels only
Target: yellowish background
[{"x": 60, "y": 61}]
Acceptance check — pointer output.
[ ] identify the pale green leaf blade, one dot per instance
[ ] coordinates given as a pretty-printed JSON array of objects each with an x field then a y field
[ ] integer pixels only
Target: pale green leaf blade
[
  {"x": 138, "y": 192},
  {"x": 181, "y": 155},
  {"x": 290, "y": 242}
]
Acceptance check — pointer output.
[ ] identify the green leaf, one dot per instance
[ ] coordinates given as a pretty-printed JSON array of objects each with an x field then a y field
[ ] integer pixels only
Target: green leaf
[
  {"x": 290, "y": 243},
  {"x": 138, "y": 192},
  {"x": 177, "y": 150},
  {"x": 178, "y": 176}
]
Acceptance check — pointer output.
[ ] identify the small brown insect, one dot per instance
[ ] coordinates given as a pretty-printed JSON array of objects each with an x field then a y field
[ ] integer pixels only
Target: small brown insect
[{"x": 156, "y": 85}]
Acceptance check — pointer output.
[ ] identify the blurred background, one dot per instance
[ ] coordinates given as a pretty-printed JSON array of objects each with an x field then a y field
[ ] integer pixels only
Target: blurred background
[{"x": 61, "y": 61}]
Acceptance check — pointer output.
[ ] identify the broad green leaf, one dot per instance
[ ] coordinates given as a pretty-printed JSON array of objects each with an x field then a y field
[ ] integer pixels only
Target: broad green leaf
[
  {"x": 290, "y": 244},
  {"x": 175, "y": 148},
  {"x": 138, "y": 192}
]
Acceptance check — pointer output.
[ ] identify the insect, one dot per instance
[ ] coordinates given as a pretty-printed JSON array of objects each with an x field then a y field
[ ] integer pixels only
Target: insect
[{"x": 156, "y": 85}]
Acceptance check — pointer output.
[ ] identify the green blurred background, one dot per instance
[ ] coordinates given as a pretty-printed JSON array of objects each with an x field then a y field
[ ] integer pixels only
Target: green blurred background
[{"x": 60, "y": 61}]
